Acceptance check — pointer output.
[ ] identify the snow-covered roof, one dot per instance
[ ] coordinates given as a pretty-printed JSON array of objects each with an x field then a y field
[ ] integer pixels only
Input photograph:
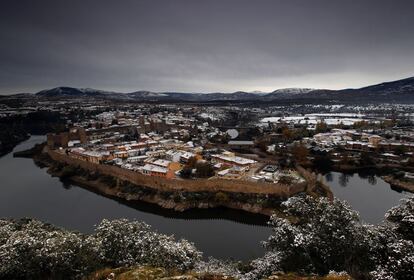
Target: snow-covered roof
[{"x": 153, "y": 168}]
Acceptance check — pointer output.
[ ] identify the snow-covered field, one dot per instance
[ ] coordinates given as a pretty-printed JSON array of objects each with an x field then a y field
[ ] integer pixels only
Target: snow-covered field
[{"x": 330, "y": 119}]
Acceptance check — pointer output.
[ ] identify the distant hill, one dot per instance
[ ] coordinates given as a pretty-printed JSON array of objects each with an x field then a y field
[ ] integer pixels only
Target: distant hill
[
  {"x": 60, "y": 92},
  {"x": 395, "y": 91},
  {"x": 69, "y": 92},
  {"x": 286, "y": 93}
]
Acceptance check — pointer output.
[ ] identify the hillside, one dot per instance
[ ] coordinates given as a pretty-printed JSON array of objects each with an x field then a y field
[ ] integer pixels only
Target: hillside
[{"x": 392, "y": 92}]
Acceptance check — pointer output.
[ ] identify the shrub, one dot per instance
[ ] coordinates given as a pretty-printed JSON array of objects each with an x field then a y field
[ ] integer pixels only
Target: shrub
[
  {"x": 221, "y": 197},
  {"x": 68, "y": 171},
  {"x": 186, "y": 172},
  {"x": 401, "y": 218},
  {"x": 323, "y": 163},
  {"x": 321, "y": 236},
  {"x": 366, "y": 159},
  {"x": 399, "y": 264},
  {"x": 32, "y": 250},
  {"x": 204, "y": 170},
  {"x": 109, "y": 180},
  {"x": 285, "y": 180},
  {"x": 329, "y": 236},
  {"x": 128, "y": 243}
]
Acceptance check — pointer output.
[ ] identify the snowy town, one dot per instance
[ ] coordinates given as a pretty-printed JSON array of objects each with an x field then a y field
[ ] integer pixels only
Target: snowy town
[{"x": 186, "y": 142}]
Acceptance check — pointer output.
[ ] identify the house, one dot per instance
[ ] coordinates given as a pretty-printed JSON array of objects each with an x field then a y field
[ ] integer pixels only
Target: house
[
  {"x": 240, "y": 145},
  {"x": 161, "y": 162},
  {"x": 409, "y": 175},
  {"x": 156, "y": 153},
  {"x": 74, "y": 143},
  {"x": 90, "y": 156},
  {"x": 230, "y": 159},
  {"x": 137, "y": 159},
  {"x": 234, "y": 172},
  {"x": 173, "y": 155},
  {"x": 185, "y": 157},
  {"x": 357, "y": 145},
  {"x": 374, "y": 140},
  {"x": 121, "y": 154},
  {"x": 156, "y": 171},
  {"x": 169, "y": 165}
]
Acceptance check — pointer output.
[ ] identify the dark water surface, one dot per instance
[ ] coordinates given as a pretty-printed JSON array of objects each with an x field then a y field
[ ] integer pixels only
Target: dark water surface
[
  {"x": 368, "y": 194},
  {"x": 28, "y": 191}
]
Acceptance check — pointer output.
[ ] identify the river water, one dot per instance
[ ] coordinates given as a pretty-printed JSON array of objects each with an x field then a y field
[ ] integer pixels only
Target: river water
[
  {"x": 368, "y": 194},
  {"x": 28, "y": 191}
]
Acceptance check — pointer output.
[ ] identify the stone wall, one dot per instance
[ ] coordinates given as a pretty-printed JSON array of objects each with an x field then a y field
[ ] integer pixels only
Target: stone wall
[
  {"x": 314, "y": 186},
  {"x": 196, "y": 185},
  {"x": 62, "y": 139}
]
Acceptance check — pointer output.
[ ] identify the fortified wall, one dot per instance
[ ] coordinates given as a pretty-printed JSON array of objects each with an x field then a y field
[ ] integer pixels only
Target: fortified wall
[
  {"x": 173, "y": 185},
  {"x": 62, "y": 139}
]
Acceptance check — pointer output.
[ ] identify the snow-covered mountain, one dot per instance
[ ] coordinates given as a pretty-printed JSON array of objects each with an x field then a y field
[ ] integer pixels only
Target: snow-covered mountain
[
  {"x": 287, "y": 92},
  {"x": 293, "y": 90},
  {"x": 396, "y": 91},
  {"x": 61, "y": 92}
]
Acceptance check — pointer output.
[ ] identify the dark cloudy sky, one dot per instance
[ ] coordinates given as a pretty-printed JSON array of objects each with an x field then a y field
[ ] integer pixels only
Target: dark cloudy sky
[{"x": 203, "y": 46}]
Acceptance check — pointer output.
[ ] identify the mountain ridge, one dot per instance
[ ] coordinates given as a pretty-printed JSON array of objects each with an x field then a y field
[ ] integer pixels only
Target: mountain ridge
[{"x": 388, "y": 91}]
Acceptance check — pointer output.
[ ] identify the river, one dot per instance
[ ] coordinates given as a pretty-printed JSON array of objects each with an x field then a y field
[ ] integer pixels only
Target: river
[
  {"x": 368, "y": 194},
  {"x": 29, "y": 191}
]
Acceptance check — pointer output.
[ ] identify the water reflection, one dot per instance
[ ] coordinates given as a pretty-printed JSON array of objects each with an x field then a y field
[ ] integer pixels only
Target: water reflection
[
  {"x": 329, "y": 177},
  {"x": 219, "y": 213},
  {"x": 372, "y": 180},
  {"x": 343, "y": 179},
  {"x": 366, "y": 192}
]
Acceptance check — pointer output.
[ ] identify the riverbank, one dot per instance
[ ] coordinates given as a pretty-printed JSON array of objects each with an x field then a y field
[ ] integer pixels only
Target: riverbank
[
  {"x": 18, "y": 128},
  {"x": 10, "y": 138},
  {"x": 177, "y": 195},
  {"x": 174, "y": 200},
  {"x": 399, "y": 183},
  {"x": 177, "y": 203},
  {"x": 386, "y": 172},
  {"x": 377, "y": 168}
]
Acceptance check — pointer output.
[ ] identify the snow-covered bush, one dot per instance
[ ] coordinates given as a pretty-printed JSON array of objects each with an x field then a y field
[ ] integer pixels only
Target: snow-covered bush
[
  {"x": 397, "y": 241},
  {"x": 318, "y": 236},
  {"x": 270, "y": 263},
  {"x": 322, "y": 235},
  {"x": 6, "y": 229},
  {"x": 126, "y": 243},
  {"x": 402, "y": 218},
  {"x": 31, "y": 249},
  {"x": 399, "y": 264},
  {"x": 218, "y": 267}
]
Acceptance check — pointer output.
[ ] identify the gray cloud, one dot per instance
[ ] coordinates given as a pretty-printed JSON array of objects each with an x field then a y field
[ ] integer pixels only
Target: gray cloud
[{"x": 222, "y": 45}]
